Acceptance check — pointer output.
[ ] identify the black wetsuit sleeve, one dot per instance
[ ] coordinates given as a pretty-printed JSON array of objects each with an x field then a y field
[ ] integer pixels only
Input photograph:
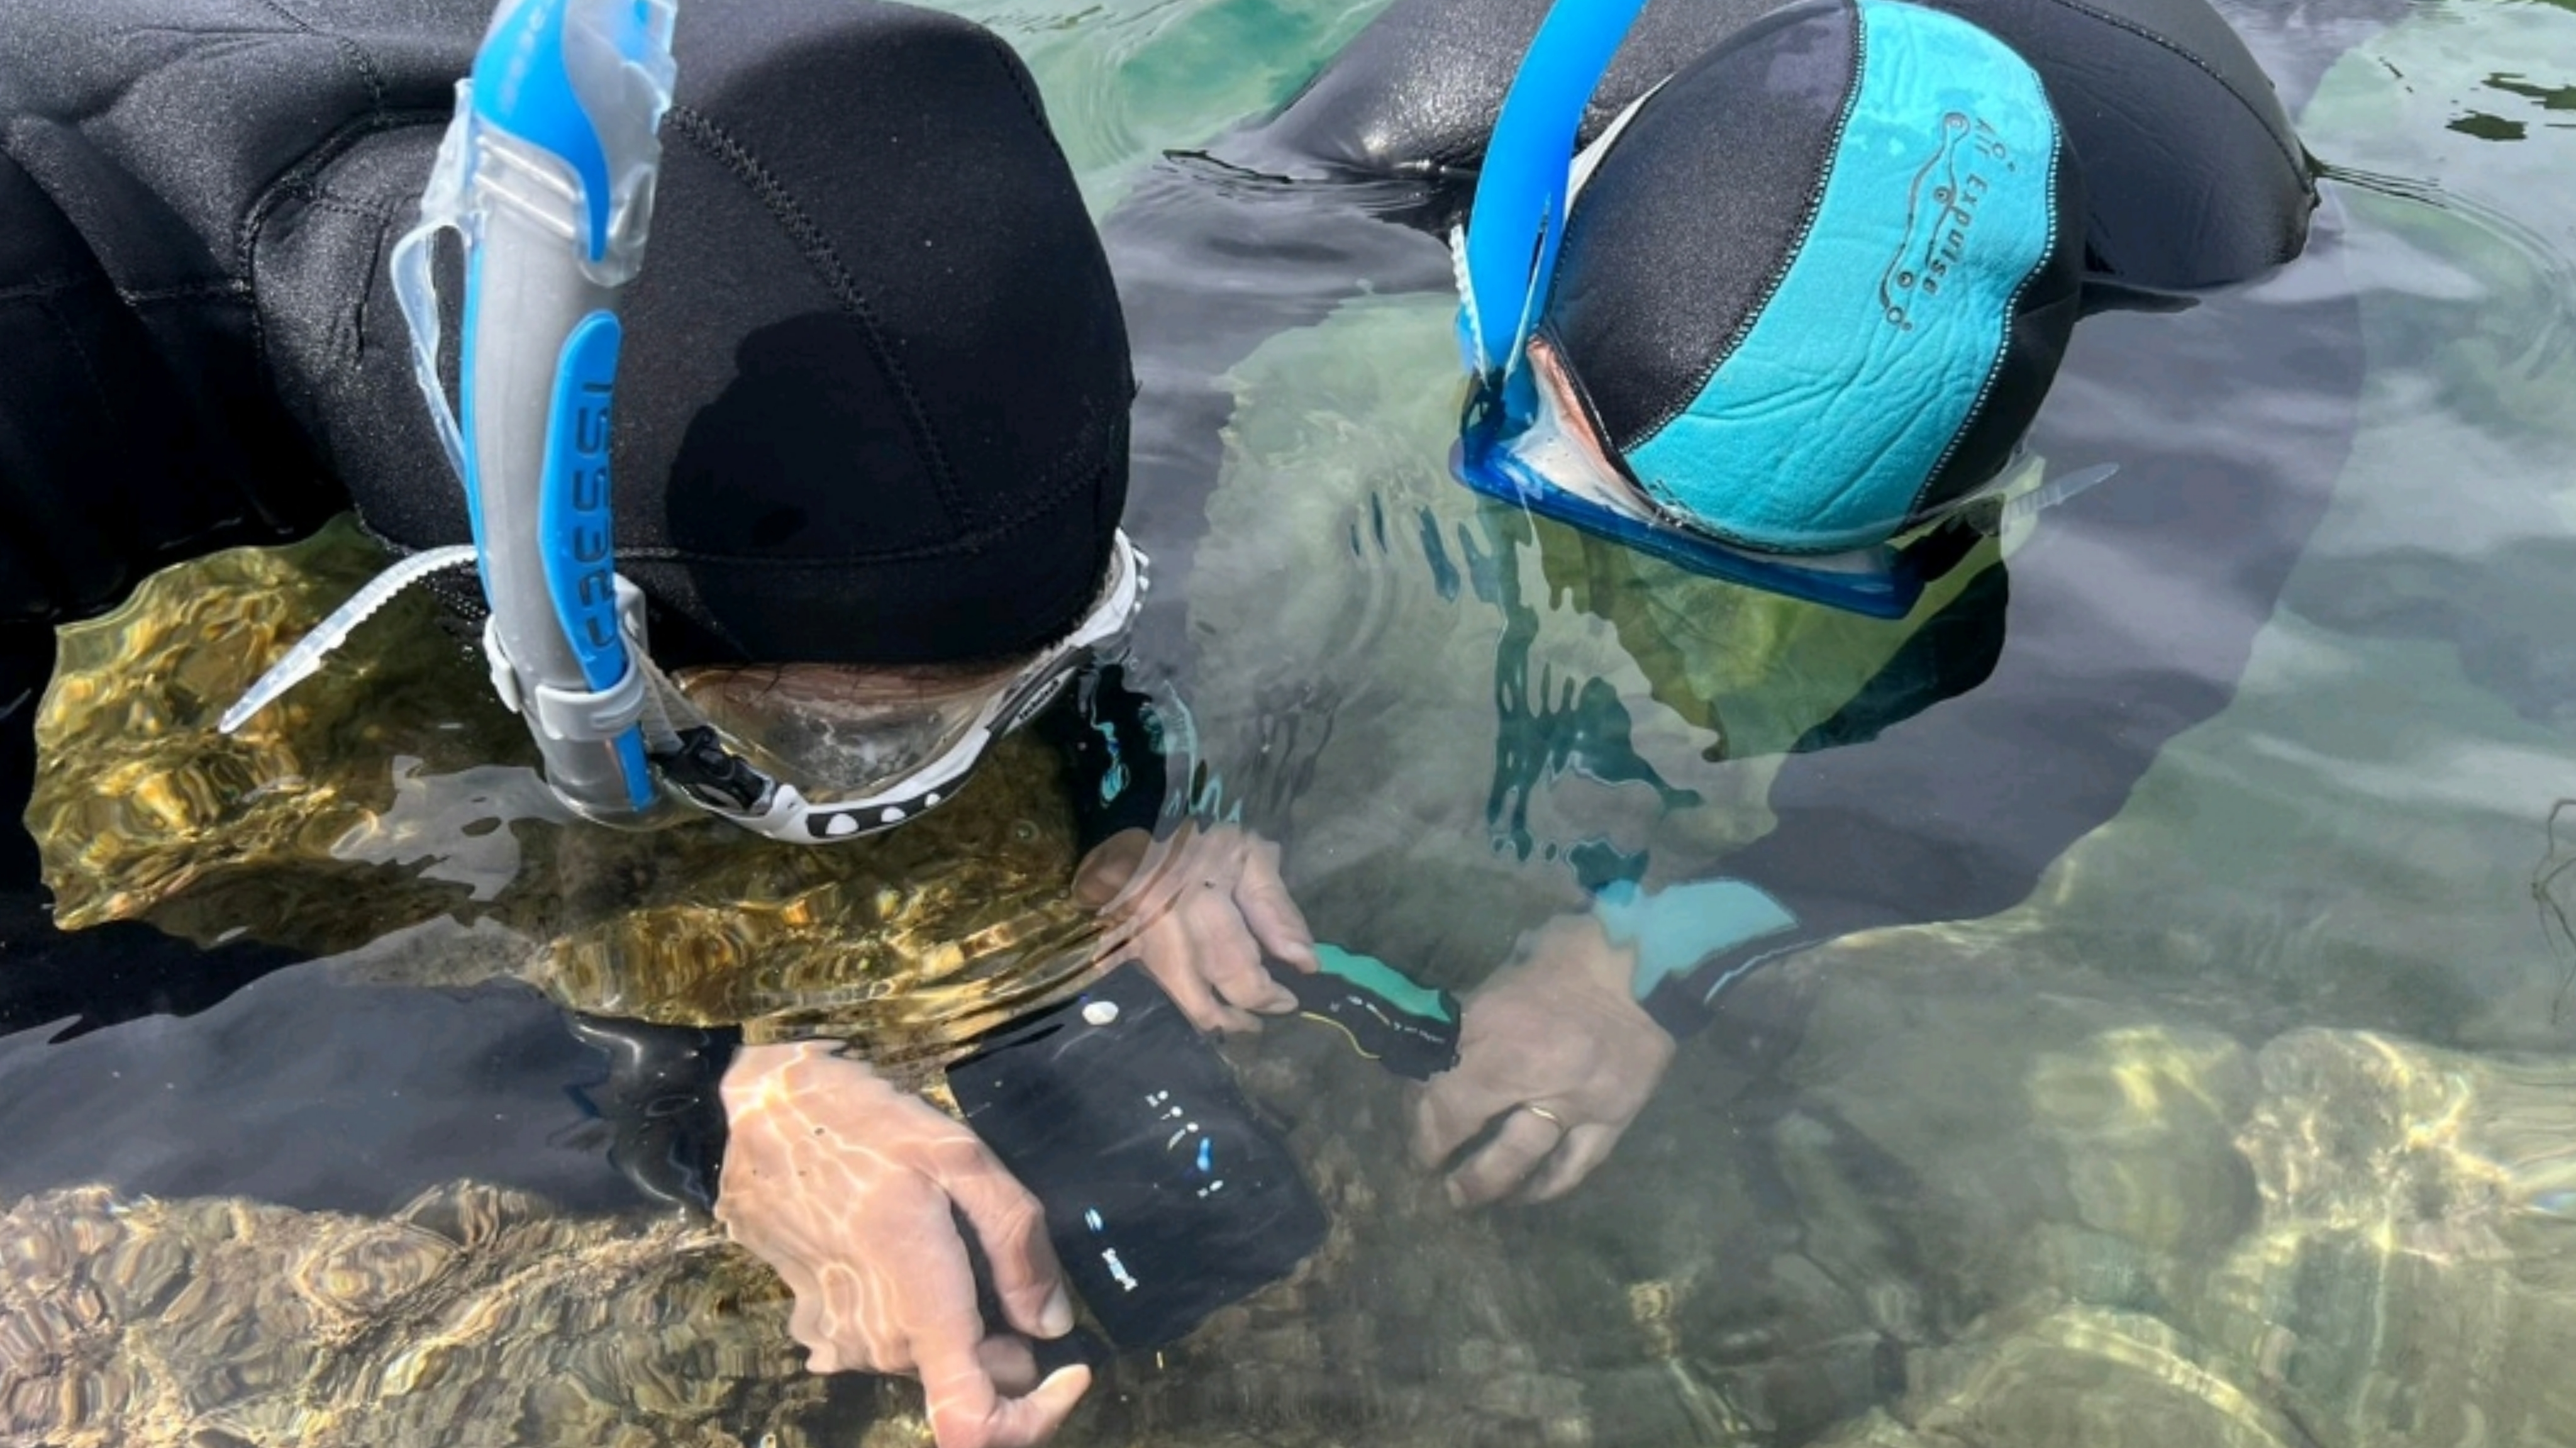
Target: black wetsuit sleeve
[
  {"x": 662, "y": 1104},
  {"x": 132, "y": 427},
  {"x": 2132, "y": 613}
]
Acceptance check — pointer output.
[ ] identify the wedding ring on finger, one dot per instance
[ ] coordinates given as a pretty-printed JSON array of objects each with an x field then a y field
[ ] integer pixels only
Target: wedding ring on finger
[{"x": 1542, "y": 1113}]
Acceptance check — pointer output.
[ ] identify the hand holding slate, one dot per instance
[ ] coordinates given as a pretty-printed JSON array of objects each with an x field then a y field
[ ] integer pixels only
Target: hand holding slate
[{"x": 845, "y": 1185}]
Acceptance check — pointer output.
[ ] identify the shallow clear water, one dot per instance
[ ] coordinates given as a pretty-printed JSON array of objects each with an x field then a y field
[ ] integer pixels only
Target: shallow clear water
[{"x": 2251, "y": 1125}]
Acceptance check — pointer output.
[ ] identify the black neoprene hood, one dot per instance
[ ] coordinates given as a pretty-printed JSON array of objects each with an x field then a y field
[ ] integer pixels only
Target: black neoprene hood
[
  {"x": 873, "y": 401},
  {"x": 878, "y": 385}
]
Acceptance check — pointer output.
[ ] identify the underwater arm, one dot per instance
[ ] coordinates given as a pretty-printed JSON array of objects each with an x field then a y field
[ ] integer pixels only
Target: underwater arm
[
  {"x": 1211, "y": 262},
  {"x": 1201, "y": 903},
  {"x": 855, "y": 1192}
]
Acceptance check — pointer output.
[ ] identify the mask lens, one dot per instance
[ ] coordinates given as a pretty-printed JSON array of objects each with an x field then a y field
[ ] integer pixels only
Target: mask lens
[{"x": 840, "y": 732}]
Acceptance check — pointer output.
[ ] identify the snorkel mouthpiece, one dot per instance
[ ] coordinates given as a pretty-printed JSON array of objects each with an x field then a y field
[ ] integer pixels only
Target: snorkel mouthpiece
[{"x": 547, "y": 176}]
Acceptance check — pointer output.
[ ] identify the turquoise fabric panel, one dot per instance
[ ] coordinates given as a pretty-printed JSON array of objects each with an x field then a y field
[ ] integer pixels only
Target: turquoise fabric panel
[
  {"x": 1820, "y": 430},
  {"x": 1676, "y": 928}
]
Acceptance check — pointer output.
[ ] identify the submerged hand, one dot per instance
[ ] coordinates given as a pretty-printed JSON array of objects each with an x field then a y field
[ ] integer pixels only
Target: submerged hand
[
  {"x": 1556, "y": 1055},
  {"x": 1200, "y": 909},
  {"x": 843, "y": 1184}
]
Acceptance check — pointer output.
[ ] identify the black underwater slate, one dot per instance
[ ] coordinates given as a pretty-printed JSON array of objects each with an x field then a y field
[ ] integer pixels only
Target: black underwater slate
[{"x": 1166, "y": 1196}]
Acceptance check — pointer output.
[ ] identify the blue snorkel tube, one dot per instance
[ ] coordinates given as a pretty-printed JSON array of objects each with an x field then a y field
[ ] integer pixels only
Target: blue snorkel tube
[
  {"x": 546, "y": 174},
  {"x": 1507, "y": 253}
]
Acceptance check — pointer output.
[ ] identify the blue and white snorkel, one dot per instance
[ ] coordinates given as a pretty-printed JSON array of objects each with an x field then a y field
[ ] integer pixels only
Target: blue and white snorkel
[{"x": 547, "y": 175}]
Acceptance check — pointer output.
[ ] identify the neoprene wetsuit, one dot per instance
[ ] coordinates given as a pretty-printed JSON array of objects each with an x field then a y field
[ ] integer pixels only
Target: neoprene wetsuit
[{"x": 873, "y": 407}]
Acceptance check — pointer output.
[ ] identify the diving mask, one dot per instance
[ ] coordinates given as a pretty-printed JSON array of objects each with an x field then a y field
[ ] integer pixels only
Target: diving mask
[
  {"x": 802, "y": 753},
  {"x": 813, "y": 753},
  {"x": 1554, "y": 464}
]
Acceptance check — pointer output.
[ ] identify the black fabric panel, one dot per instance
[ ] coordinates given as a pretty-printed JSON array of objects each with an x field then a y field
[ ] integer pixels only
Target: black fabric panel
[
  {"x": 2192, "y": 174},
  {"x": 116, "y": 453},
  {"x": 55, "y": 433},
  {"x": 140, "y": 141},
  {"x": 2043, "y": 320},
  {"x": 339, "y": 350},
  {"x": 26, "y": 666},
  {"x": 157, "y": 123},
  {"x": 873, "y": 402},
  {"x": 60, "y": 449},
  {"x": 1678, "y": 239}
]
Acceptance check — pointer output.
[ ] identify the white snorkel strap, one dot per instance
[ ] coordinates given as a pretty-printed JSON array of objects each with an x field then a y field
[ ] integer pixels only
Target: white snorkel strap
[{"x": 546, "y": 176}]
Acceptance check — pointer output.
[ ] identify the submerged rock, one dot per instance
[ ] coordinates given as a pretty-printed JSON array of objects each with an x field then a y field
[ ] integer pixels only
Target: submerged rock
[
  {"x": 2077, "y": 1375},
  {"x": 2413, "y": 1277},
  {"x": 2341, "y": 1240},
  {"x": 473, "y": 1316}
]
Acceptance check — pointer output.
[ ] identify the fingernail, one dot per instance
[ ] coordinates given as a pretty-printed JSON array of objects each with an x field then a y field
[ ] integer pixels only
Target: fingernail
[
  {"x": 1057, "y": 1318},
  {"x": 1456, "y": 1194},
  {"x": 1280, "y": 1003}
]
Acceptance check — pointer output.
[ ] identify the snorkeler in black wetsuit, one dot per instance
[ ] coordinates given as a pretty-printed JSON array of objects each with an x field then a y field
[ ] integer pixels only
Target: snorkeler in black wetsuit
[
  {"x": 1984, "y": 750},
  {"x": 872, "y": 414},
  {"x": 826, "y": 453}
]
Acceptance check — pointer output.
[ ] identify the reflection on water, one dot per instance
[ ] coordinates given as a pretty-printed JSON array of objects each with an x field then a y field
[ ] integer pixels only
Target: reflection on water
[
  {"x": 370, "y": 800},
  {"x": 2252, "y": 1126},
  {"x": 1128, "y": 79}
]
